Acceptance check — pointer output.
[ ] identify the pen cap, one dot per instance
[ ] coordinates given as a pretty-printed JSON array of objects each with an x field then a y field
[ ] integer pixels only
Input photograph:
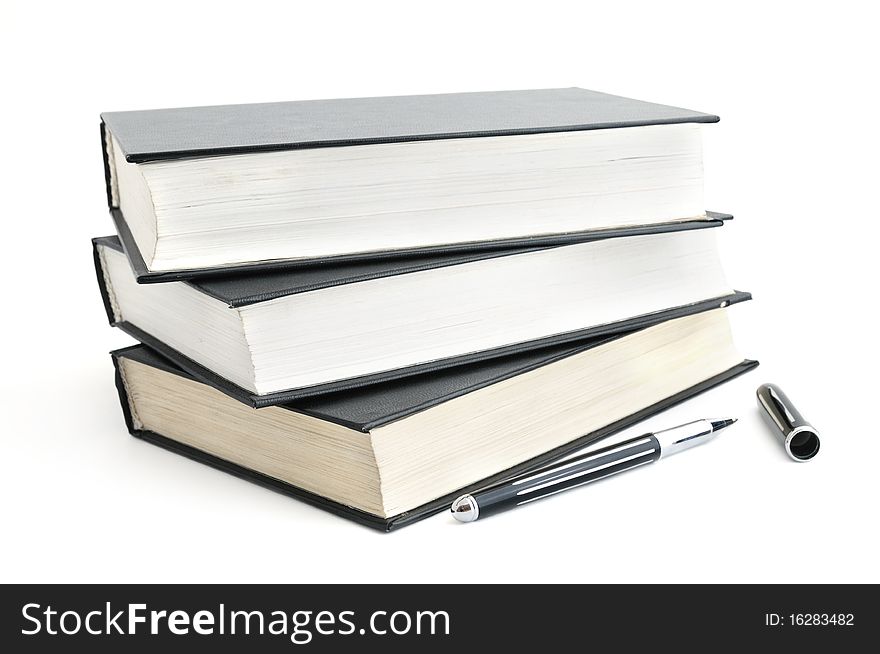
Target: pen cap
[{"x": 800, "y": 440}]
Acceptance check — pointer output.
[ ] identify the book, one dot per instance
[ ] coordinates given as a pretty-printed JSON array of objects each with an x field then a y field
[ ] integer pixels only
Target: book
[
  {"x": 390, "y": 454},
  {"x": 197, "y": 190},
  {"x": 276, "y": 337}
]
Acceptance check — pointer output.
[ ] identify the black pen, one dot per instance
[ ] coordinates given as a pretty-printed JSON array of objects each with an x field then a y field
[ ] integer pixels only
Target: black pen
[{"x": 585, "y": 468}]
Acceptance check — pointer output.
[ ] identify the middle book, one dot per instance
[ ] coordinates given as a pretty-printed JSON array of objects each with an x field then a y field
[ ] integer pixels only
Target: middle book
[{"x": 280, "y": 336}]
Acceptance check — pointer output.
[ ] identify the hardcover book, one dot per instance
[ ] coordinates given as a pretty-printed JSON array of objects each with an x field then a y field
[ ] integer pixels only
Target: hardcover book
[
  {"x": 389, "y": 454},
  {"x": 197, "y": 190},
  {"x": 277, "y": 337}
]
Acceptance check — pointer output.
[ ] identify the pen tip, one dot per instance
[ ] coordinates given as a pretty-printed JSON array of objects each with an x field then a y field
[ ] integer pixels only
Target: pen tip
[{"x": 721, "y": 424}]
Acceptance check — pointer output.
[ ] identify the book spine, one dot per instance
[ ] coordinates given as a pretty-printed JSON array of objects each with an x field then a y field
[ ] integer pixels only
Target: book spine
[
  {"x": 123, "y": 396},
  {"x": 108, "y": 168},
  {"x": 103, "y": 283}
]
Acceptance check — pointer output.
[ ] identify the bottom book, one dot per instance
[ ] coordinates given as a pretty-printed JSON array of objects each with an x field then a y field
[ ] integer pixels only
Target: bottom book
[{"x": 393, "y": 453}]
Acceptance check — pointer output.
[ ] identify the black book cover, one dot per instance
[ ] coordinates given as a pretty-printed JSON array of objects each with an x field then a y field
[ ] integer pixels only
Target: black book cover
[
  {"x": 364, "y": 409},
  {"x": 245, "y": 290},
  {"x": 158, "y": 134}
]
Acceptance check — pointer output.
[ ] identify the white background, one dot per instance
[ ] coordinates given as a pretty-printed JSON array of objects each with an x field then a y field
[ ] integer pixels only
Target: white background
[{"x": 794, "y": 158}]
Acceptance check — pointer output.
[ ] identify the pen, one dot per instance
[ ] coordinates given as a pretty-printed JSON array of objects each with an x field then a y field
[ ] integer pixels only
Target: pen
[{"x": 585, "y": 468}]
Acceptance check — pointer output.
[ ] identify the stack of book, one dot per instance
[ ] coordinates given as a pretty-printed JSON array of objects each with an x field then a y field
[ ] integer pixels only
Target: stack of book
[{"x": 377, "y": 304}]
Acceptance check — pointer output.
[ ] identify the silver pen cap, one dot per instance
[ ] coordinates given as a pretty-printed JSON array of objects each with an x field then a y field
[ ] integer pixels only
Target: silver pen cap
[{"x": 800, "y": 440}]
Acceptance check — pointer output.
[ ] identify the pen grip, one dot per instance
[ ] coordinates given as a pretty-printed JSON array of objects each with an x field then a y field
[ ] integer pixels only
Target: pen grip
[{"x": 557, "y": 477}]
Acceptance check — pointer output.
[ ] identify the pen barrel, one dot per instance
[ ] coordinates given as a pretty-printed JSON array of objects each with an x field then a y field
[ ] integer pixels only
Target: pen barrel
[{"x": 578, "y": 471}]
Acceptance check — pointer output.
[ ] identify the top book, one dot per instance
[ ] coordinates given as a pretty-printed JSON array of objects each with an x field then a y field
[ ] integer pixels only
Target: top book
[{"x": 203, "y": 189}]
